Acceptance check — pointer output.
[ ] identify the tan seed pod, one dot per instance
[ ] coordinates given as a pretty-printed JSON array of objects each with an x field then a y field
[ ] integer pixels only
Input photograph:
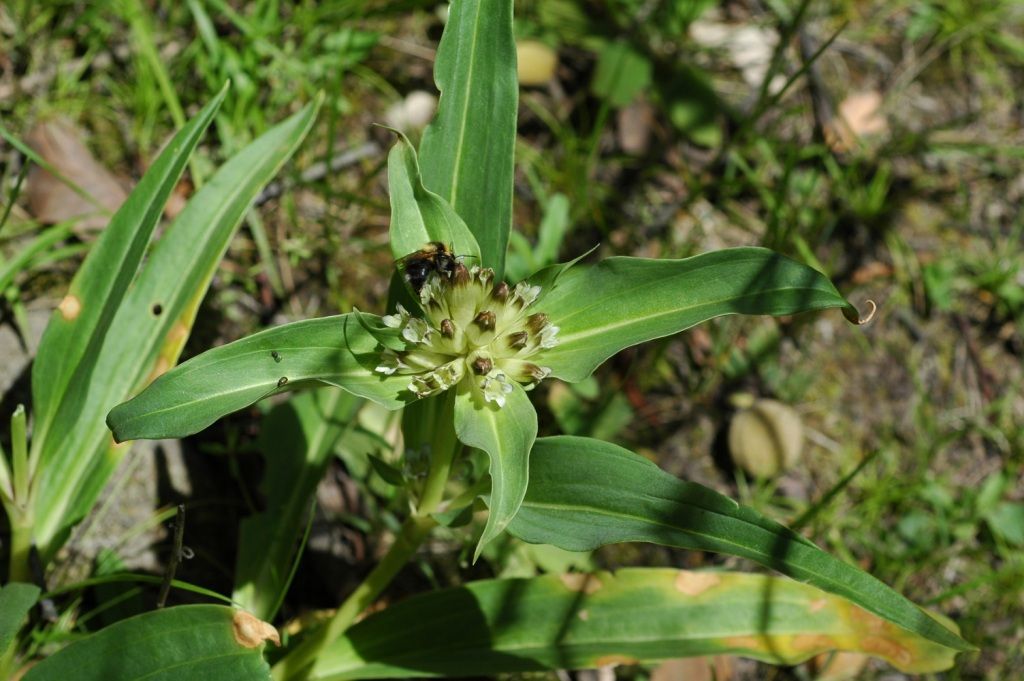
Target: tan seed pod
[
  {"x": 766, "y": 438},
  {"x": 536, "y": 62}
]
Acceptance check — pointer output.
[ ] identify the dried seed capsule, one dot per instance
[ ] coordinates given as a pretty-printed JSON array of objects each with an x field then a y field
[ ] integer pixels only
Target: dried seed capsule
[
  {"x": 518, "y": 340},
  {"x": 500, "y": 292},
  {"x": 485, "y": 319},
  {"x": 482, "y": 366},
  {"x": 536, "y": 322}
]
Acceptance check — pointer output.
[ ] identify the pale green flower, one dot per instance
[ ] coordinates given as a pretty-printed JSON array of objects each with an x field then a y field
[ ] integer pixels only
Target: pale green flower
[{"x": 473, "y": 330}]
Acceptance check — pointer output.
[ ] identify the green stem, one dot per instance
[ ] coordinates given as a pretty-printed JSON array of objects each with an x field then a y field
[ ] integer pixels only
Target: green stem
[
  {"x": 296, "y": 664},
  {"x": 444, "y": 444},
  {"x": 21, "y": 544},
  {"x": 443, "y": 447},
  {"x": 19, "y": 460},
  {"x": 19, "y": 510}
]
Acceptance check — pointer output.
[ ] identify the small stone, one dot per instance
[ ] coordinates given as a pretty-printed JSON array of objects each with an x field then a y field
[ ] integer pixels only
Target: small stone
[{"x": 413, "y": 112}]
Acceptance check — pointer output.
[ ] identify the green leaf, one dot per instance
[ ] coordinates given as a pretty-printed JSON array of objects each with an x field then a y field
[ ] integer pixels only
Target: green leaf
[
  {"x": 297, "y": 440},
  {"x": 586, "y": 493},
  {"x": 506, "y": 434},
  {"x": 468, "y": 151},
  {"x": 71, "y": 343},
  {"x": 632, "y": 616},
  {"x": 151, "y": 326},
  {"x": 195, "y": 642},
  {"x": 523, "y": 257},
  {"x": 16, "y": 599},
  {"x": 418, "y": 215},
  {"x": 386, "y": 471},
  {"x": 1007, "y": 522},
  {"x": 603, "y": 308},
  {"x": 40, "y": 244},
  {"x": 621, "y": 74},
  {"x": 692, "y": 104},
  {"x": 333, "y": 350}
]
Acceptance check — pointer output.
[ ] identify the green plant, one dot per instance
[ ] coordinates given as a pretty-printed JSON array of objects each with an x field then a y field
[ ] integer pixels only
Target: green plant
[
  {"x": 457, "y": 357},
  {"x": 115, "y": 329}
]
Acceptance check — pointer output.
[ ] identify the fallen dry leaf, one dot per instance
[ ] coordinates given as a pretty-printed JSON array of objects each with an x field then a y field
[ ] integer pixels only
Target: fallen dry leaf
[
  {"x": 860, "y": 116},
  {"x": 634, "y": 128},
  {"x": 871, "y": 271},
  {"x": 50, "y": 200}
]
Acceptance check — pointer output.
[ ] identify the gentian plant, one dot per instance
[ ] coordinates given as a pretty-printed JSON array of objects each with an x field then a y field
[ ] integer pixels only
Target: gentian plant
[{"x": 458, "y": 351}]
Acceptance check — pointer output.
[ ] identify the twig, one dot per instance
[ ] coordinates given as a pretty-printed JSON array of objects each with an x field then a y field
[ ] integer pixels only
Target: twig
[
  {"x": 821, "y": 106},
  {"x": 985, "y": 377},
  {"x": 408, "y": 47},
  {"x": 319, "y": 170},
  {"x": 177, "y": 551}
]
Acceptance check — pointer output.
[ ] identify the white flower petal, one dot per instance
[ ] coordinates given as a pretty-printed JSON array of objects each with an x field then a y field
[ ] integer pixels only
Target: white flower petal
[{"x": 548, "y": 336}]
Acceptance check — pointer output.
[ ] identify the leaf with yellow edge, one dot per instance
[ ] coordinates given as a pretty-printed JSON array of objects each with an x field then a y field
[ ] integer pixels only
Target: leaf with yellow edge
[{"x": 638, "y": 615}]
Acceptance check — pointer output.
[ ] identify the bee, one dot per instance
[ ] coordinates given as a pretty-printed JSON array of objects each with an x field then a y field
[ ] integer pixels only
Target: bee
[{"x": 433, "y": 257}]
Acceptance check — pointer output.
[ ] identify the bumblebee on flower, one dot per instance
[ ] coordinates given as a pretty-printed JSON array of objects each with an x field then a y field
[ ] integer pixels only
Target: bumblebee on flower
[{"x": 474, "y": 330}]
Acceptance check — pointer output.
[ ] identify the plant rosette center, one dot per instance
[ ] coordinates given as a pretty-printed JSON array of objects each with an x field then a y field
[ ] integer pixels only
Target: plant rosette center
[{"x": 475, "y": 331}]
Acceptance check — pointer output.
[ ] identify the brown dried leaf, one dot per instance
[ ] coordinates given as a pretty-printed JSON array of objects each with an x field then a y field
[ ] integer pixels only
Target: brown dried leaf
[
  {"x": 634, "y": 128},
  {"x": 860, "y": 116},
  {"x": 50, "y": 200},
  {"x": 252, "y": 632}
]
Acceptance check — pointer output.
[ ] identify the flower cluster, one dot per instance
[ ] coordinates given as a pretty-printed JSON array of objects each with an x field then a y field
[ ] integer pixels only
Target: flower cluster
[{"x": 474, "y": 330}]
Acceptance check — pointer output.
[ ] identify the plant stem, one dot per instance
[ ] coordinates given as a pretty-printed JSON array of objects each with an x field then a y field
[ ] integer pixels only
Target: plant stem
[
  {"x": 19, "y": 460},
  {"x": 21, "y": 543},
  {"x": 297, "y": 663},
  {"x": 443, "y": 447},
  {"x": 19, "y": 510}
]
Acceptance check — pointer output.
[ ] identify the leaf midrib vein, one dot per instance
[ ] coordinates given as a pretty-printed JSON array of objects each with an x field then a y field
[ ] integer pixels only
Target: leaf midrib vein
[
  {"x": 583, "y": 334},
  {"x": 463, "y": 124}
]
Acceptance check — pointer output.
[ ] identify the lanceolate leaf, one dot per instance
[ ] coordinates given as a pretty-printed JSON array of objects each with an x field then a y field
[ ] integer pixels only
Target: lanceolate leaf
[
  {"x": 418, "y": 215},
  {"x": 16, "y": 599},
  {"x": 69, "y": 348},
  {"x": 467, "y": 152},
  {"x": 331, "y": 350},
  {"x": 586, "y": 493},
  {"x": 506, "y": 434},
  {"x": 631, "y": 616},
  {"x": 620, "y": 302},
  {"x": 152, "y": 324},
  {"x": 195, "y": 642},
  {"x": 297, "y": 440}
]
